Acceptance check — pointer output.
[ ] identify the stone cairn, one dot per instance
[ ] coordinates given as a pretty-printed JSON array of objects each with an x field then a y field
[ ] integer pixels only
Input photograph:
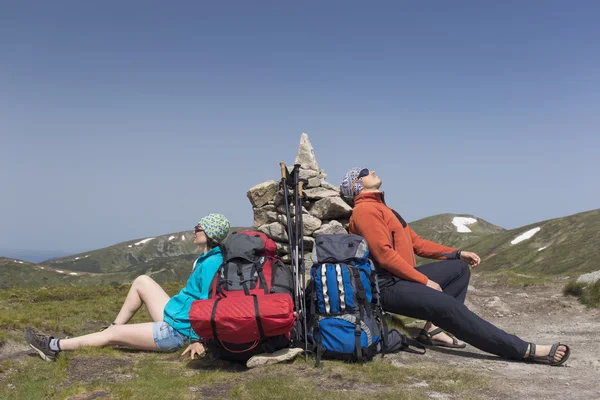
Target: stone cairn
[{"x": 324, "y": 211}]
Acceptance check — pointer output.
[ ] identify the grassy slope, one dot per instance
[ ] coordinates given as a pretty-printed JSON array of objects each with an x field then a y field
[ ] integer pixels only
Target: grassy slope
[
  {"x": 114, "y": 373},
  {"x": 439, "y": 228},
  {"x": 571, "y": 244},
  {"x": 28, "y": 275},
  {"x": 571, "y": 247}
]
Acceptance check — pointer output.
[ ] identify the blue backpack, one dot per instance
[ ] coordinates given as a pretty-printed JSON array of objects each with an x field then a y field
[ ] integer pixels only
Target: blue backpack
[{"x": 347, "y": 318}]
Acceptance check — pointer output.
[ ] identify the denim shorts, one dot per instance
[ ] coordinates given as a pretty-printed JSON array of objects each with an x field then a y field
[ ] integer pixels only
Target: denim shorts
[{"x": 167, "y": 338}]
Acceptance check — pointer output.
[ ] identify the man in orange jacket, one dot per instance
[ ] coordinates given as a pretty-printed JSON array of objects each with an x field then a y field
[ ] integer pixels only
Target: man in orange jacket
[{"x": 433, "y": 292}]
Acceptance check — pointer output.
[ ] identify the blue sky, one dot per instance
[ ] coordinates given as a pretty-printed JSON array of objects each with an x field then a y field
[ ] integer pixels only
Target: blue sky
[{"x": 123, "y": 120}]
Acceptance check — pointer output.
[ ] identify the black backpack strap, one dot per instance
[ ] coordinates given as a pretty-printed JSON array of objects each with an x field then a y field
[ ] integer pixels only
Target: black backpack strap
[
  {"x": 380, "y": 314},
  {"x": 220, "y": 279},
  {"x": 401, "y": 342},
  {"x": 408, "y": 342},
  {"x": 257, "y": 314},
  {"x": 259, "y": 269},
  {"x": 381, "y": 319},
  {"x": 240, "y": 274},
  {"x": 220, "y": 291},
  {"x": 361, "y": 296},
  {"x": 402, "y": 221},
  {"x": 213, "y": 324},
  {"x": 315, "y": 317},
  {"x": 357, "y": 333}
]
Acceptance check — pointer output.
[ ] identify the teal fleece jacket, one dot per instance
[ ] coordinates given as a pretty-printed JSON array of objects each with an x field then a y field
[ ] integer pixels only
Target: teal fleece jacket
[{"x": 177, "y": 309}]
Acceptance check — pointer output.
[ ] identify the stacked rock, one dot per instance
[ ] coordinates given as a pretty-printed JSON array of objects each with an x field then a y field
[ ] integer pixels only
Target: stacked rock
[{"x": 324, "y": 211}]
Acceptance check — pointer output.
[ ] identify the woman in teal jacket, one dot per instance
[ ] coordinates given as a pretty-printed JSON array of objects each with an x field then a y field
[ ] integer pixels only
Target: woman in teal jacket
[{"x": 171, "y": 328}]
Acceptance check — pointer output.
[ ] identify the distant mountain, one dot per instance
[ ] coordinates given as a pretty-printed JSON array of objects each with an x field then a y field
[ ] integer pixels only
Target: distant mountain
[
  {"x": 561, "y": 246},
  {"x": 133, "y": 254},
  {"x": 567, "y": 245},
  {"x": 14, "y": 272},
  {"x": 32, "y": 256},
  {"x": 454, "y": 230}
]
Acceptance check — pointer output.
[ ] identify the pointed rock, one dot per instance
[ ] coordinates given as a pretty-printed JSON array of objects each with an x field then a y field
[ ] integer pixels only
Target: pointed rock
[{"x": 306, "y": 155}]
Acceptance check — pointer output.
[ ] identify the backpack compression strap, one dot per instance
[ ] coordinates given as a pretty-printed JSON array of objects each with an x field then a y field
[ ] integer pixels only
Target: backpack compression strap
[
  {"x": 213, "y": 324},
  {"x": 259, "y": 269},
  {"x": 257, "y": 314},
  {"x": 243, "y": 282},
  {"x": 361, "y": 296},
  {"x": 380, "y": 314}
]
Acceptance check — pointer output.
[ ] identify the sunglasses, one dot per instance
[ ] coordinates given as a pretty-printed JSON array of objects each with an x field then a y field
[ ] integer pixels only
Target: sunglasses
[
  {"x": 198, "y": 228},
  {"x": 363, "y": 172}
]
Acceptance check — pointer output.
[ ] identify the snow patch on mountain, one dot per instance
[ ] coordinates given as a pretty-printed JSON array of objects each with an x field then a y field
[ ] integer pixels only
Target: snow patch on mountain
[
  {"x": 144, "y": 241},
  {"x": 525, "y": 236},
  {"x": 462, "y": 222}
]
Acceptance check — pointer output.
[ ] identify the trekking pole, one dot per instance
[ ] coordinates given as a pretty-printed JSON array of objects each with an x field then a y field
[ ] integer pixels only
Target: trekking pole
[
  {"x": 298, "y": 236},
  {"x": 284, "y": 184},
  {"x": 295, "y": 265},
  {"x": 302, "y": 271}
]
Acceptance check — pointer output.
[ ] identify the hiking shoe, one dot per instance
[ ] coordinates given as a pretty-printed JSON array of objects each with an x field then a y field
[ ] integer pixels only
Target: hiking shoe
[{"x": 41, "y": 344}]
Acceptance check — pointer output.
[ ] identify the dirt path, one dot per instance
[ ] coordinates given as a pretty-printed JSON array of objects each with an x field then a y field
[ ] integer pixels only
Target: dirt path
[{"x": 543, "y": 315}]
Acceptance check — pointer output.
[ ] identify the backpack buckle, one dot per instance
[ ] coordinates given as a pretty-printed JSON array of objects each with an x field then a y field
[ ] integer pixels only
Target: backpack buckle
[{"x": 357, "y": 330}]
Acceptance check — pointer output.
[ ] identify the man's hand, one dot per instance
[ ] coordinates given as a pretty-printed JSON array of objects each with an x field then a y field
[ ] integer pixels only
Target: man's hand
[
  {"x": 434, "y": 285},
  {"x": 193, "y": 349},
  {"x": 471, "y": 258}
]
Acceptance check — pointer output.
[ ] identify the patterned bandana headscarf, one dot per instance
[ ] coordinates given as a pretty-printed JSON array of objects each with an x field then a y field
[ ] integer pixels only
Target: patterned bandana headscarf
[
  {"x": 349, "y": 190},
  {"x": 216, "y": 227}
]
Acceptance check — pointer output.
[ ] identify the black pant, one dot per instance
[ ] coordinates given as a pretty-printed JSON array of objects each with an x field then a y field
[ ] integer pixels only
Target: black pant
[{"x": 446, "y": 309}]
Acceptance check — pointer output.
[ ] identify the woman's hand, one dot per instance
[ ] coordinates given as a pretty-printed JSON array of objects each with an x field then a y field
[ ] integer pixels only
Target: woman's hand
[
  {"x": 471, "y": 258},
  {"x": 193, "y": 349}
]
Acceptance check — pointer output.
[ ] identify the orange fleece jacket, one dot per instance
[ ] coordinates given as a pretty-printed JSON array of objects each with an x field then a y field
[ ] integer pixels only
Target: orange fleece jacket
[{"x": 393, "y": 243}]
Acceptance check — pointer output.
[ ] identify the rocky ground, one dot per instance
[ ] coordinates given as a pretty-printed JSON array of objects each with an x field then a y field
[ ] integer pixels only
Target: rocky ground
[{"x": 540, "y": 314}]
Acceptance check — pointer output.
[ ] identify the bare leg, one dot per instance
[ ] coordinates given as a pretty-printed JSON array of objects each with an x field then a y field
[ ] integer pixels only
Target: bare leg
[
  {"x": 134, "y": 336},
  {"x": 144, "y": 290}
]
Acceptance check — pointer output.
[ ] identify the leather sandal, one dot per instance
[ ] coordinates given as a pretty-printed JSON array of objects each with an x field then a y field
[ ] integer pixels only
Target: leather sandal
[
  {"x": 427, "y": 338},
  {"x": 549, "y": 359}
]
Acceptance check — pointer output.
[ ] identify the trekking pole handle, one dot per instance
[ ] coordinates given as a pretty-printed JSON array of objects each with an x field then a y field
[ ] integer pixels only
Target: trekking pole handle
[
  {"x": 283, "y": 170},
  {"x": 300, "y": 184}
]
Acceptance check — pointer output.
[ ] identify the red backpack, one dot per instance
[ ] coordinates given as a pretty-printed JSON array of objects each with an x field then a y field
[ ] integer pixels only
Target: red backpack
[{"x": 250, "y": 309}]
